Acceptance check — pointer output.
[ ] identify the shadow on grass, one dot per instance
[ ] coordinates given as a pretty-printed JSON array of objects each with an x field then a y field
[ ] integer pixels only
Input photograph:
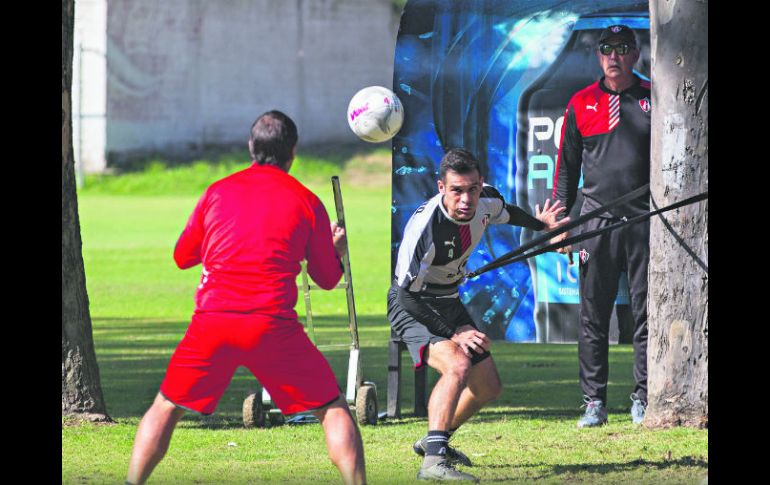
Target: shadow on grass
[
  {"x": 540, "y": 414},
  {"x": 235, "y": 154},
  {"x": 542, "y": 379},
  {"x": 601, "y": 469}
]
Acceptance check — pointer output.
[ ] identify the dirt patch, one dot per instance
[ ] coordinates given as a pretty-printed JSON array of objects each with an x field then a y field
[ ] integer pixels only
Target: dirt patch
[{"x": 86, "y": 418}]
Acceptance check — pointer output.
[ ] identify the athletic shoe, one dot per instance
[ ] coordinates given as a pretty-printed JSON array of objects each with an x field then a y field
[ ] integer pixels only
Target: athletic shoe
[
  {"x": 637, "y": 409},
  {"x": 453, "y": 456},
  {"x": 596, "y": 414},
  {"x": 444, "y": 471}
]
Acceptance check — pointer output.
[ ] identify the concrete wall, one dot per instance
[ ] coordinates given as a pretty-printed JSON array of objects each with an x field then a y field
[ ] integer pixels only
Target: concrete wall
[
  {"x": 89, "y": 81},
  {"x": 186, "y": 74}
]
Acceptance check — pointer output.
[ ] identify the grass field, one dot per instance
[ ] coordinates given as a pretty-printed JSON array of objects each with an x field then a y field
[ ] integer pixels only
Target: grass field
[{"x": 141, "y": 304}]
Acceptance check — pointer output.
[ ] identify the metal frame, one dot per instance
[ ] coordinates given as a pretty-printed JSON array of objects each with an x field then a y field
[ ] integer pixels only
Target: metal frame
[{"x": 354, "y": 377}]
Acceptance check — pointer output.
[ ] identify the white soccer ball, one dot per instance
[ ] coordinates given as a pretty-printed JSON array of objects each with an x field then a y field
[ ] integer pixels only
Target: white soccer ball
[{"x": 375, "y": 114}]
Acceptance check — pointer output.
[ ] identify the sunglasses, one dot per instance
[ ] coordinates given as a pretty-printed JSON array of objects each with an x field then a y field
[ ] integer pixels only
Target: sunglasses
[{"x": 621, "y": 49}]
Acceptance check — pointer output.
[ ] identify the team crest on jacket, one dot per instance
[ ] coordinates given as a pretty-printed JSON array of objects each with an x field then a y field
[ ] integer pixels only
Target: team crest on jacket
[
  {"x": 583, "y": 256},
  {"x": 645, "y": 104}
]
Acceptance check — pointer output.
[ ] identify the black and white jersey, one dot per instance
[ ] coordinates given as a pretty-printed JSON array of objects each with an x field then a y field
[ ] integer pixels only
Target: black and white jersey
[{"x": 436, "y": 248}]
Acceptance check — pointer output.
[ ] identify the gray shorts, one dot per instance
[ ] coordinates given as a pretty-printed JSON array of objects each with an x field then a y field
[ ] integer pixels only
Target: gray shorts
[{"x": 416, "y": 336}]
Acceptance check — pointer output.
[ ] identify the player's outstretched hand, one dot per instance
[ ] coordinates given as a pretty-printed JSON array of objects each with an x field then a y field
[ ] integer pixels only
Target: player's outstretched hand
[
  {"x": 561, "y": 237},
  {"x": 471, "y": 340},
  {"x": 548, "y": 217},
  {"x": 549, "y": 213},
  {"x": 339, "y": 239}
]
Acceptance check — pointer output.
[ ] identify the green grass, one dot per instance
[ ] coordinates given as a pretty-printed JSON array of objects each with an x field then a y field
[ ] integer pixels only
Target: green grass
[{"x": 141, "y": 304}]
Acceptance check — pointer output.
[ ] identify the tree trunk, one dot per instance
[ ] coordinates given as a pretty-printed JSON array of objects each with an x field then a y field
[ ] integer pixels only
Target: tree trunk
[
  {"x": 677, "y": 305},
  {"x": 81, "y": 391}
]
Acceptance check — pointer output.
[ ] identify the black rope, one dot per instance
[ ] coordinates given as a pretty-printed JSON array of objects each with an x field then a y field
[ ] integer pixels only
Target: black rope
[
  {"x": 581, "y": 237},
  {"x": 572, "y": 224},
  {"x": 681, "y": 242}
]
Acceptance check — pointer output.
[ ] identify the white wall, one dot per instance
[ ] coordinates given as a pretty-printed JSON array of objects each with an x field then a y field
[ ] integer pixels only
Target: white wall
[
  {"x": 89, "y": 96},
  {"x": 183, "y": 74}
]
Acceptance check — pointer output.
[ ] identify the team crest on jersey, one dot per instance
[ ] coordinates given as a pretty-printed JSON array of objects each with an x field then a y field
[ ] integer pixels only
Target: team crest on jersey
[
  {"x": 583, "y": 256},
  {"x": 645, "y": 104},
  {"x": 485, "y": 220}
]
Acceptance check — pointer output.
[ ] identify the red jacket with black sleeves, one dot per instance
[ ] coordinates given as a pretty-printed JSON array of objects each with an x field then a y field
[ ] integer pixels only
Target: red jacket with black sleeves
[{"x": 607, "y": 135}]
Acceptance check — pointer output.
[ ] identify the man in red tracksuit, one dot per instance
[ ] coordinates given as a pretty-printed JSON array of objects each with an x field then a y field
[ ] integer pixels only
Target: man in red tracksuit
[
  {"x": 606, "y": 135},
  {"x": 250, "y": 231}
]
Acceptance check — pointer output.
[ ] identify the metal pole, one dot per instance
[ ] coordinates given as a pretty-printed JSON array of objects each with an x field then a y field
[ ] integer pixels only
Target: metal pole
[
  {"x": 346, "y": 264},
  {"x": 355, "y": 379},
  {"x": 308, "y": 309}
]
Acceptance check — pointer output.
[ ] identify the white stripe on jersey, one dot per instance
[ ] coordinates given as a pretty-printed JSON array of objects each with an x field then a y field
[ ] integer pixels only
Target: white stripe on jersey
[
  {"x": 406, "y": 265},
  {"x": 614, "y": 110},
  {"x": 424, "y": 267}
]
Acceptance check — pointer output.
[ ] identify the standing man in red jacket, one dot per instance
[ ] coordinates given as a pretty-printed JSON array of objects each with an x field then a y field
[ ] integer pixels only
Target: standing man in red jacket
[
  {"x": 250, "y": 231},
  {"x": 606, "y": 136}
]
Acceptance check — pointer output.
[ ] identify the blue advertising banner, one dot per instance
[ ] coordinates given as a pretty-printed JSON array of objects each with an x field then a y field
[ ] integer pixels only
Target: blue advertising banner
[
  {"x": 558, "y": 281},
  {"x": 494, "y": 77}
]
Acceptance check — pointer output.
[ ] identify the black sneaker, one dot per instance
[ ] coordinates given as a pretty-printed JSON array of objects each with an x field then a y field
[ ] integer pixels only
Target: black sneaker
[
  {"x": 444, "y": 471},
  {"x": 453, "y": 456}
]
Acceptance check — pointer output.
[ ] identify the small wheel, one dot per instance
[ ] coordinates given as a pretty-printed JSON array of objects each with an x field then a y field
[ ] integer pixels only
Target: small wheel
[
  {"x": 276, "y": 419},
  {"x": 253, "y": 411},
  {"x": 366, "y": 405}
]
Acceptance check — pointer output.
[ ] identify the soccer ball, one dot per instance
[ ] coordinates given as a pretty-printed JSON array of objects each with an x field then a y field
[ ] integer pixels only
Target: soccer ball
[{"x": 375, "y": 114}]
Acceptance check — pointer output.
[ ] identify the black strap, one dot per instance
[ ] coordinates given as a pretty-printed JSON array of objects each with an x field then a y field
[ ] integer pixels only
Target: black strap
[
  {"x": 572, "y": 224},
  {"x": 581, "y": 237}
]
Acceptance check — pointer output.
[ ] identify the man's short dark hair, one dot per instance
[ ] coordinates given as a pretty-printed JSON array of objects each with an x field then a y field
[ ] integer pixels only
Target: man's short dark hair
[
  {"x": 459, "y": 160},
  {"x": 273, "y": 135}
]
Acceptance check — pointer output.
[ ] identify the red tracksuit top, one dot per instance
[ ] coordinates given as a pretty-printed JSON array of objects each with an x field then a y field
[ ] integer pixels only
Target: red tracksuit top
[
  {"x": 607, "y": 135},
  {"x": 250, "y": 231}
]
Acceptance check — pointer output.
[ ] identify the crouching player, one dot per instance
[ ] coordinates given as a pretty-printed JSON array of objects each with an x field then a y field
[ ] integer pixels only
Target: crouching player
[
  {"x": 424, "y": 307},
  {"x": 250, "y": 231}
]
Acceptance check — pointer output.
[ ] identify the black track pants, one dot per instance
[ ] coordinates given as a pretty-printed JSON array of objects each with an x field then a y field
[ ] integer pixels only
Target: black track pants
[{"x": 602, "y": 259}]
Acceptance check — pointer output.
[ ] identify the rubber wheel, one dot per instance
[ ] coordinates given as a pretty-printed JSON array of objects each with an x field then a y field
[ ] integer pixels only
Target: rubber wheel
[
  {"x": 366, "y": 405},
  {"x": 276, "y": 419},
  {"x": 253, "y": 411}
]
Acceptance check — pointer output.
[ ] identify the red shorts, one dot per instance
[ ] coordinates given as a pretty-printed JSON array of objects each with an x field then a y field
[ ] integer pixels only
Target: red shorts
[{"x": 276, "y": 351}]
